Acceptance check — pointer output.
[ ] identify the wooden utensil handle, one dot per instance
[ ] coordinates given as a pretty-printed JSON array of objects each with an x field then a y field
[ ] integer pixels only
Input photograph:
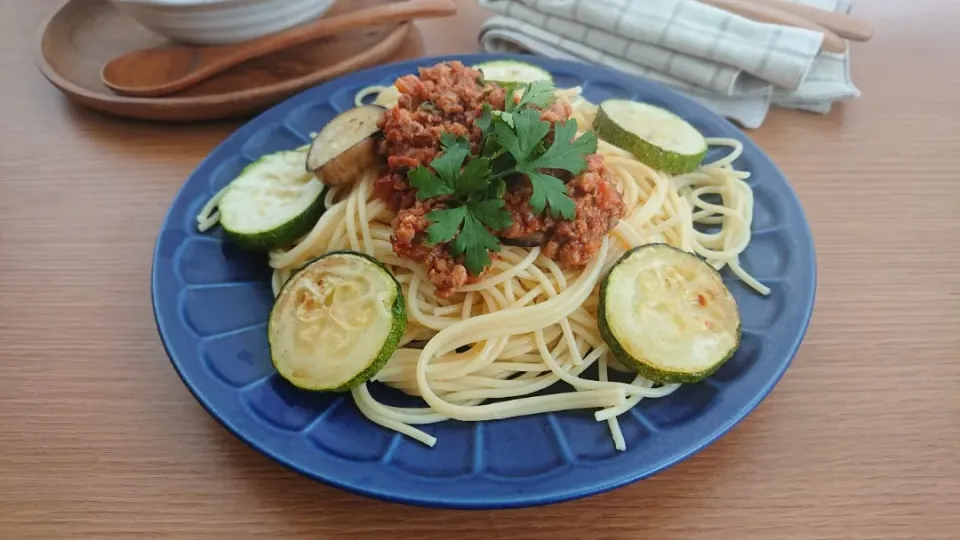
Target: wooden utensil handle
[
  {"x": 766, "y": 14},
  {"x": 845, "y": 26},
  {"x": 214, "y": 57}
]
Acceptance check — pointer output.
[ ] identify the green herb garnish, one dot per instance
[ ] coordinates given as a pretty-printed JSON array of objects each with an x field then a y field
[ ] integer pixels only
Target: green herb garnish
[
  {"x": 475, "y": 203},
  {"x": 513, "y": 143}
]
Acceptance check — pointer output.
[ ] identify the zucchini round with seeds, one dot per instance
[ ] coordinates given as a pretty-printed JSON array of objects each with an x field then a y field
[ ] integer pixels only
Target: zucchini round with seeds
[
  {"x": 272, "y": 203},
  {"x": 667, "y": 314},
  {"x": 345, "y": 146},
  {"x": 512, "y": 71},
  {"x": 655, "y": 136},
  {"x": 336, "y": 322}
]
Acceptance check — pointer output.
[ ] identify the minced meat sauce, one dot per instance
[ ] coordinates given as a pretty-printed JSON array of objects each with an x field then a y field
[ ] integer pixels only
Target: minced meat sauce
[{"x": 447, "y": 98}]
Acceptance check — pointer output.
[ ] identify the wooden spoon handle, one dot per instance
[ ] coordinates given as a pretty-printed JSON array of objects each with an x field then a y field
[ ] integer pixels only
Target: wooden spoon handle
[
  {"x": 766, "y": 14},
  {"x": 166, "y": 70},
  {"x": 845, "y": 26}
]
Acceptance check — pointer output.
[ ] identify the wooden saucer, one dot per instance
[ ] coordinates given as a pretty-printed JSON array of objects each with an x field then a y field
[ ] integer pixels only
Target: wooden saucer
[{"x": 83, "y": 35}]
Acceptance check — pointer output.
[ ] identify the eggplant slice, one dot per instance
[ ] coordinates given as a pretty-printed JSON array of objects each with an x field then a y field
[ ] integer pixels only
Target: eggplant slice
[
  {"x": 530, "y": 241},
  {"x": 345, "y": 146}
]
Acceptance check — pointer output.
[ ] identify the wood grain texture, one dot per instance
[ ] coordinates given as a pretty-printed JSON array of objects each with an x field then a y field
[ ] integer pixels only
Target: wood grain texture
[{"x": 99, "y": 438}]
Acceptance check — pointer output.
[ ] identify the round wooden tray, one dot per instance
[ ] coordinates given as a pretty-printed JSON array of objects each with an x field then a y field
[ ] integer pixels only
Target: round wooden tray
[{"x": 75, "y": 43}]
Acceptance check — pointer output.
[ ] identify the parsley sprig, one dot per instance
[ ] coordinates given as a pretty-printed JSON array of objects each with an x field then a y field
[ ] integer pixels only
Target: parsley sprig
[
  {"x": 470, "y": 209},
  {"x": 513, "y": 143}
]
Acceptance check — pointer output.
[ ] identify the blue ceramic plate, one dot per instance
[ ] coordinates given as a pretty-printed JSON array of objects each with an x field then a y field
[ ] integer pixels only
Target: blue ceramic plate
[{"x": 211, "y": 303}]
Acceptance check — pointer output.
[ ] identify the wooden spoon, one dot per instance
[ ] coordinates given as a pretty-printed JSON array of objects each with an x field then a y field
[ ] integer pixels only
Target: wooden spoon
[
  {"x": 165, "y": 70},
  {"x": 767, "y": 14},
  {"x": 845, "y": 26}
]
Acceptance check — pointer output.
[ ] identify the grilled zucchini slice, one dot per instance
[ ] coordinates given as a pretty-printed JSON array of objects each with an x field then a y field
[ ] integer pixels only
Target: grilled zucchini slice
[
  {"x": 272, "y": 203},
  {"x": 336, "y": 322},
  {"x": 667, "y": 314},
  {"x": 512, "y": 71},
  {"x": 655, "y": 136}
]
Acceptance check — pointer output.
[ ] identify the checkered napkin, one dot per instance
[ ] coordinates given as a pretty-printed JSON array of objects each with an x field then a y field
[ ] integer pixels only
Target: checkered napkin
[{"x": 735, "y": 66}]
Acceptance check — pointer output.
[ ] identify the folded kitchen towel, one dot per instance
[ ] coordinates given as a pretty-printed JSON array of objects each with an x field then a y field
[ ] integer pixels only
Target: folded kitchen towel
[{"x": 734, "y": 65}]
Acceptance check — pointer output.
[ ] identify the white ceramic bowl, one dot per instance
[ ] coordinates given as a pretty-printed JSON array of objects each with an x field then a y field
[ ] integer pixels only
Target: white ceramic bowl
[{"x": 216, "y": 22}]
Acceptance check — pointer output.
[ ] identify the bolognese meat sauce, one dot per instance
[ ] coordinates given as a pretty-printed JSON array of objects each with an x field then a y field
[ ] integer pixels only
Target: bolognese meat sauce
[{"x": 448, "y": 98}]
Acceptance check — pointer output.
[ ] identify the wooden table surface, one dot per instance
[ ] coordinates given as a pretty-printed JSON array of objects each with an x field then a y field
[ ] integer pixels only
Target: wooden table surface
[{"x": 99, "y": 438}]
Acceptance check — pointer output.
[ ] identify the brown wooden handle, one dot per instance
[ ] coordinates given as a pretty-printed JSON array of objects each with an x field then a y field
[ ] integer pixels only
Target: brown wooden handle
[
  {"x": 845, "y": 26},
  {"x": 166, "y": 70},
  {"x": 766, "y": 14}
]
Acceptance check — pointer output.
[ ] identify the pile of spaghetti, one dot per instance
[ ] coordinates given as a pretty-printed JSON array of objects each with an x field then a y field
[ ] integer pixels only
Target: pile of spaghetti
[{"x": 528, "y": 323}]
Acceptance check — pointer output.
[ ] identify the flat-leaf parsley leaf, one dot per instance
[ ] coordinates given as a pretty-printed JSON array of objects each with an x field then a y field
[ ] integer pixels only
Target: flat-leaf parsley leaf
[
  {"x": 566, "y": 152},
  {"x": 473, "y": 242},
  {"x": 537, "y": 93},
  {"x": 549, "y": 190},
  {"x": 522, "y": 139},
  {"x": 428, "y": 184},
  {"x": 446, "y": 224}
]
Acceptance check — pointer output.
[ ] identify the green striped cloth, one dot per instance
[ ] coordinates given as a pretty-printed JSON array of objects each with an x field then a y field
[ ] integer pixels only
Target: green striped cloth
[{"x": 735, "y": 66}]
